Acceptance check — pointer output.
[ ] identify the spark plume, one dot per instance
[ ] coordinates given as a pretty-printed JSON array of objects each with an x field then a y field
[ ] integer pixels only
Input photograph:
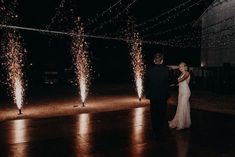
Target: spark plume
[
  {"x": 14, "y": 64},
  {"x": 137, "y": 63},
  {"x": 81, "y": 61}
]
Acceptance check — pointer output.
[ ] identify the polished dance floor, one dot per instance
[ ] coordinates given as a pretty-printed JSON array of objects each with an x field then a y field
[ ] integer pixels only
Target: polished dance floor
[{"x": 125, "y": 133}]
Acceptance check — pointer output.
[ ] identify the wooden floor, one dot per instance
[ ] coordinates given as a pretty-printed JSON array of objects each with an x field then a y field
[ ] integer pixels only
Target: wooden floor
[{"x": 124, "y": 133}]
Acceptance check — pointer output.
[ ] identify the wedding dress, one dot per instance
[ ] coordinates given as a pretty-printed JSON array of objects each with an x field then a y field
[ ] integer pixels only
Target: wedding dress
[{"x": 182, "y": 117}]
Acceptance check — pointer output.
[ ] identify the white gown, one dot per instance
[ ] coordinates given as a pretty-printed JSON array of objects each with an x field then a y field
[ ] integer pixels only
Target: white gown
[{"x": 182, "y": 118}]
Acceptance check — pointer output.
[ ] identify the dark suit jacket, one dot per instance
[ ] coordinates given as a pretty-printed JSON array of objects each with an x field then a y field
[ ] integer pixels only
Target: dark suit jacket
[{"x": 157, "y": 83}]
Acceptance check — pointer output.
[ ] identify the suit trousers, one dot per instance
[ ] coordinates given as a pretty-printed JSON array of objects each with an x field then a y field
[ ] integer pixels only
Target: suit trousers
[{"x": 158, "y": 114}]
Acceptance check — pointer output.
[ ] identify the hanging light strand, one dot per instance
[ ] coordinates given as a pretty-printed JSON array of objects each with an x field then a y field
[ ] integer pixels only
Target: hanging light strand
[
  {"x": 170, "y": 17},
  {"x": 165, "y": 20},
  {"x": 7, "y": 12},
  {"x": 96, "y": 18},
  {"x": 163, "y": 14},
  {"x": 75, "y": 34},
  {"x": 114, "y": 17},
  {"x": 57, "y": 13},
  {"x": 170, "y": 30}
]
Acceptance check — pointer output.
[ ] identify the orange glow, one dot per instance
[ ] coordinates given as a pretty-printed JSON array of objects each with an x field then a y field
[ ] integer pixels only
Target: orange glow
[
  {"x": 19, "y": 135},
  {"x": 83, "y": 128},
  {"x": 83, "y": 124},
  {"x": 138, "y": 123},
  {"x": 138, "y": 131}
]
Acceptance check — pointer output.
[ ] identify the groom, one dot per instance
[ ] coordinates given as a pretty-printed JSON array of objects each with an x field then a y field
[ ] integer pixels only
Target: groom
[{"x": 157, "y": 90}]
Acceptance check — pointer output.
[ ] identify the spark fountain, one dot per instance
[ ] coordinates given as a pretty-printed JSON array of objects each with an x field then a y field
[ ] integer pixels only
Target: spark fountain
[
  {"x": 137, "y": 63},
  {"x": 81, "y": 61},
  {"x": 14, "y": 64}
]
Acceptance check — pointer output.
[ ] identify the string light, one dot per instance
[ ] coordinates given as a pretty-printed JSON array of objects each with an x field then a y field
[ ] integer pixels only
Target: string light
[
  {"x": 170, "y": 17},
  {"x": 60, "y": 32},
  {"x": 165, "y": 20},
  {"x": 170, "y": 30},
  {"x": 64, "y": 16},
  {"x": 206, "y": 33},
  {"x": 57, "y": 13},
  {"x": 84, "y": 35},
  {"x": 113, "y": 18},
  {"x": 164, "y": 13},
  {"x": 186, "y": 42},
  {"x": 219, "y": 22},
  {"x": 7, "y": 12},
  {"x": 221, "y": 41},
  {"x": 108, "y": 10},
  {"x": 218, "y": 34}
]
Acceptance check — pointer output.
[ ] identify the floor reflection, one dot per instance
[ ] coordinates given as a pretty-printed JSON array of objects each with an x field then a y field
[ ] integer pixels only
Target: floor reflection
[
  {"x": 19, "y": 135},
  {"x": 83, "y": 123},
  {"x": 182, "y": 139},
  {"x": 138, "y": 131},
  {"x": 125, "y": 133},
  {"x": 83, "y": 128}
]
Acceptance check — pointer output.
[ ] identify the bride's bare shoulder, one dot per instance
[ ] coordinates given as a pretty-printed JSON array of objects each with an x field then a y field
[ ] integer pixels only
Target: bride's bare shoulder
[{"x": 187, "y": 73}]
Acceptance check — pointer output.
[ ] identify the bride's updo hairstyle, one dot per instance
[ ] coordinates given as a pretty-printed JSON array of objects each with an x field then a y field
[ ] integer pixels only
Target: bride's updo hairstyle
[{"x": 185, "y": 65}]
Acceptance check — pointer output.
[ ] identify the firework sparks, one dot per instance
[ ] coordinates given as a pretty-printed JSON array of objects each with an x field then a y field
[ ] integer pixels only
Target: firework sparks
[
  {"x": 81, "y": 61},
  {"x": 137, "y": 63},
  {"x": 14, "y": 57}
]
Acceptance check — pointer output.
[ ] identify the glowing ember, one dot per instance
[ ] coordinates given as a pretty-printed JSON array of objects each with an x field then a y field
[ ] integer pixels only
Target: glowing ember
[
  {"x": 14, "y": 56},
  {"x": 81, "y": 61},
  {"x": 137, "y": 63}
]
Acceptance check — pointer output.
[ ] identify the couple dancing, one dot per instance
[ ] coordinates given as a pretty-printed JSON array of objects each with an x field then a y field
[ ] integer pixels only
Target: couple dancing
[{"x": 157, "y": 90}]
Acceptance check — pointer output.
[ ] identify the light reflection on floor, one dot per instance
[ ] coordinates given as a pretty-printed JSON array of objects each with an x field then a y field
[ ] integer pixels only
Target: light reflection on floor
[
  {"x": 182, "y": 142},
  {"x": 83, "y": 128},
  {"x": 116, "y": 134},
  {"x": 138, "y": 131},
  {"x": 66, "y": 107},
  {"x": 19, "y": 134}
]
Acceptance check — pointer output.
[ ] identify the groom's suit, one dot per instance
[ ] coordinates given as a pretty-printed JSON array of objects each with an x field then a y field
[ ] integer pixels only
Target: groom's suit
[{"x": 157, "y": 90}]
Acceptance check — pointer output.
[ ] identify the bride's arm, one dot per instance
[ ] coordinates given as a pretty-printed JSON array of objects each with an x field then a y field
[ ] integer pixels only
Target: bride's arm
[{"x": 186, "y": 75}]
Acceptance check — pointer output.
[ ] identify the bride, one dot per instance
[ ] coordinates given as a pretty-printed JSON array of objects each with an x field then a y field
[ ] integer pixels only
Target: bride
[{"x": 182, "y": 118}]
